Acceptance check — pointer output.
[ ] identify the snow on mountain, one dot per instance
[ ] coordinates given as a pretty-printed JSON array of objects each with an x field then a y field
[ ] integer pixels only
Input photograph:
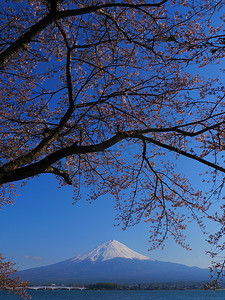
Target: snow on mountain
[
  {"x": 113, "y": 262},
  {"x": 109, "y": 250}
]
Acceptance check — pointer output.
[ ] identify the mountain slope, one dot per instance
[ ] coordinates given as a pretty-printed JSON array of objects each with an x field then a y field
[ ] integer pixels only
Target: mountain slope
[{"x": 113, "y": 262}]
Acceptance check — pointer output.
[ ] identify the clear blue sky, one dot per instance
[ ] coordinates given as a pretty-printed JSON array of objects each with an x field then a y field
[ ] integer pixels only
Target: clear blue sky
[{"x": 43, "y": 227}]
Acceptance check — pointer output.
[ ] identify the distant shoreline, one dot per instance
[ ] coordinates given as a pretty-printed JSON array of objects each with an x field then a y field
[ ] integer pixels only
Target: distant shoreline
[{"x": 115, "y": 286}]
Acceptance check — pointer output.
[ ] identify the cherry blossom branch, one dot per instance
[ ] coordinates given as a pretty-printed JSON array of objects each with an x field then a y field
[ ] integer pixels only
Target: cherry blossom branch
[
  {"x": 38, "y": 150},
  {"x": 181, "y": 152},
  {"x": 40, "y": 166},
  {"x": 54, "y": 15}
]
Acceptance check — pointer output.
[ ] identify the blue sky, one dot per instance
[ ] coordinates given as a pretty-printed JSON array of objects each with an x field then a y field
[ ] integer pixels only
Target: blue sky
[{"x": 43, "y": 226}]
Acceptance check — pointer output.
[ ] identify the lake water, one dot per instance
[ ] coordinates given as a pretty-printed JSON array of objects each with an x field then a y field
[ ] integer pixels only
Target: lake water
[{"x": 120, "y": 295}]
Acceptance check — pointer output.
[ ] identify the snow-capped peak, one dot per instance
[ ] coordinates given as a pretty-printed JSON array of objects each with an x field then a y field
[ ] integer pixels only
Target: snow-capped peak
[{"x": 109, "y": 250}]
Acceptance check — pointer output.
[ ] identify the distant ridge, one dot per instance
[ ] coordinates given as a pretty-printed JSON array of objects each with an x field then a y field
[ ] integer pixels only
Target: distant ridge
[{"x": 113, "y": 262}]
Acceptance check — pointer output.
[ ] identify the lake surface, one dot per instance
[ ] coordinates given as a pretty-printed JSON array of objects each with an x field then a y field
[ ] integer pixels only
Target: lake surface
[{"x": 120, "y": 295}]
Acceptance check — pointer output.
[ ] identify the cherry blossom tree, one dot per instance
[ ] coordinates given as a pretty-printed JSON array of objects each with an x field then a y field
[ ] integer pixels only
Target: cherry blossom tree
[
  {"x": 10, "y": 282},
  {"x": 110, "y": 95}
]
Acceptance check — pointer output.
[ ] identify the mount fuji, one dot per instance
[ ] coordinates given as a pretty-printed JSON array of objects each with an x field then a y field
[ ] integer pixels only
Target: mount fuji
[{"x": 113, "y": 262}]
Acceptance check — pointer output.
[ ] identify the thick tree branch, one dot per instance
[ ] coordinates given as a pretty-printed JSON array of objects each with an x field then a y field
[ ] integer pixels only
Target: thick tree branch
[
  {"x": 43, "y": 165},
  {"x": 60, "y": 173},
  {"x": 40, "y": 167},
  {"x": 53, "y": 15},
  {"x": 177, "y": 129},
  {"x": 25, "y": 39}
]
